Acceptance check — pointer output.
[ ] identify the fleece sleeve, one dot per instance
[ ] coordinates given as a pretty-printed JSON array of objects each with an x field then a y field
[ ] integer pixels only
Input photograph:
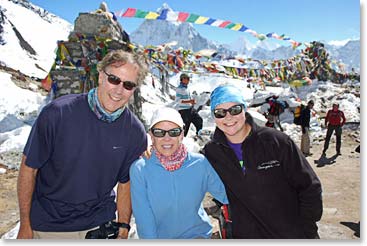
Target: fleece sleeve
[
  {"x": 142, "y": 211},
  {"x": 308, "y": 186}
]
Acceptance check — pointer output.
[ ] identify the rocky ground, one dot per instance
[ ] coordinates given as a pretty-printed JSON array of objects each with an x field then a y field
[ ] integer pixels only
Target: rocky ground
[
  {"x": 340, "y": 177},
  {"x": 341, "y": 182}
]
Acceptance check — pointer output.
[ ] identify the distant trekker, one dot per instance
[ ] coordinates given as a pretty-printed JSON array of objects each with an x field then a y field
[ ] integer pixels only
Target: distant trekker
[
  {"x": 276, "y": 108},
  {"x": 334, "y": 121},
  {"x": 185, "y": 105},
  {"x": 305, "y": 125}
]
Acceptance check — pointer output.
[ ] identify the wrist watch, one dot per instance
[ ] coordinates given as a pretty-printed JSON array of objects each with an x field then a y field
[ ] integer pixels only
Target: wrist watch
[{"x": 123, "y": 225}]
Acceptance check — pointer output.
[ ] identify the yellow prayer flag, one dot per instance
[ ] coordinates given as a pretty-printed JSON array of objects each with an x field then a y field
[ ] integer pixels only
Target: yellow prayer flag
[
  {"x": 151, "y": 15},
  {"x": 201, "y": 20},
  {"x": 237, "y": 27}
]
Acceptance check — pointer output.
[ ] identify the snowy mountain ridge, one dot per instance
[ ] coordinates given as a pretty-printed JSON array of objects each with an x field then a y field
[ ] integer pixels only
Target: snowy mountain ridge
[
  {"x": 349, "y": 54},
  {"x": 184, "y": 34},
  {"x": 34, "y": 39},
  {"x": 31, "y": 33},
  {"x": 188, "y": 38}
]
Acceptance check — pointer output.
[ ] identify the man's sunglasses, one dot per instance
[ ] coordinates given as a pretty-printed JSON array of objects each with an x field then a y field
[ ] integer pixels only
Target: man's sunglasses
[
  {"x": 160, "y": 133},
  {"x": 234, "y": 110},
  {"x": 113, "y": 79}
]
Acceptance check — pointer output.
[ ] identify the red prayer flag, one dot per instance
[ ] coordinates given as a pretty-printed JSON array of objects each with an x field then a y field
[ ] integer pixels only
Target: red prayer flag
[
  {"x": 182, "y": 16},
  {"x": 224, "y": 24},
  {"x": 130, "y": 12},
  {"x": 47, "y": 82}
]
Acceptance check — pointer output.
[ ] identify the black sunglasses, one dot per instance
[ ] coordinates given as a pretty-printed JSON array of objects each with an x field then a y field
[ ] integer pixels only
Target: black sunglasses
[
  {"x": 160, "y": 133},
  {"x": 113, "y": 79},
  {"x": 234, "y": 110}
]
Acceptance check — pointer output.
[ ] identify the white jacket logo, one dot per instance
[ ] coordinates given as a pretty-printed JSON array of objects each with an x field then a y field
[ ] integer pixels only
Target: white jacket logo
[{"x": 269, "y": 164}]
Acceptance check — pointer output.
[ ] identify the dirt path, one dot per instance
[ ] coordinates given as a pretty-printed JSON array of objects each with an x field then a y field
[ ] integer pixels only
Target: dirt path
[
  {"x": 341, "y": 182},
  {"x": 9, "y": 214},
  {"x": 340, "y": 177}
]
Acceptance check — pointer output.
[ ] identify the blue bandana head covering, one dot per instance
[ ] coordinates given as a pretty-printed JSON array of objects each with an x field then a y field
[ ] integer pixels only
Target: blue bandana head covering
[{"x": 225, "y": 94}]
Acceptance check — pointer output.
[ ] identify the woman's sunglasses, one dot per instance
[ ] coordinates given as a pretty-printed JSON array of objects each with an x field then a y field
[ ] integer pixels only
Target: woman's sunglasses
[
  {"x": 113, "y": 79},
  {"x": 234, "y": 110},
  {"x": 160, "y": 133}
]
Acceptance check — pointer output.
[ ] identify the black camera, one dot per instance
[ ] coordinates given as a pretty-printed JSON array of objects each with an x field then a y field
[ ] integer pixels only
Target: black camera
[{"x": 109, "y": 230}]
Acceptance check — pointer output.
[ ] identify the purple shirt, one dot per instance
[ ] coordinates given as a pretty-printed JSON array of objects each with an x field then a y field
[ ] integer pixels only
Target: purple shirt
[{"x": 237, "y": 148}]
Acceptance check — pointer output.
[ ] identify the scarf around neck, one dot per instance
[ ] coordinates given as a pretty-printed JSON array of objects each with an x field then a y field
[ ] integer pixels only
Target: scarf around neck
[
  {"x": 173, "y": 162},
  {"x": 96, "y": 107}
]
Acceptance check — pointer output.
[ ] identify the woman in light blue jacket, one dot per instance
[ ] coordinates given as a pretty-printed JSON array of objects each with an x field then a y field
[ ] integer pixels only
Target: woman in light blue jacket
[{"x": 168, "y": 188}]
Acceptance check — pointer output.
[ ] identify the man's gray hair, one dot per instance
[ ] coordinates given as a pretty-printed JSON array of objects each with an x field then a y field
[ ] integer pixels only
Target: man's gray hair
[{"x": 122, "y": 57}]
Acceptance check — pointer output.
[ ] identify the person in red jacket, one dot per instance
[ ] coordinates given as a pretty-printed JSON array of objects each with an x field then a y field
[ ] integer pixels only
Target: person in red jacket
[{"x": 334, "y": 121}]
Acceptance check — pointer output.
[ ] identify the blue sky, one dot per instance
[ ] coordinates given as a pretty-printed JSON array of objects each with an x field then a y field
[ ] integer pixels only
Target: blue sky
[{"x": 301, "y": 20}]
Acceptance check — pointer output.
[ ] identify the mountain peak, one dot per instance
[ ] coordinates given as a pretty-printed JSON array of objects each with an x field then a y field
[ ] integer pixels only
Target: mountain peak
[{"x": 165, "y": 6}]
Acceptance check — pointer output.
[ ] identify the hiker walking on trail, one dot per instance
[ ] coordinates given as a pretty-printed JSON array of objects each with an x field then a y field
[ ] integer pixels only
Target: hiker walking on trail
[
  {"x": 185, "y": 106},
  {"x": 305, "y": 126},
  {"x": 276, "y": 108},
  {"x": 272, "y": 190},
  {"x": 167, "y": 189},
  {"x": 334, "y": 121},
  {"x": 80, "y": 147}
]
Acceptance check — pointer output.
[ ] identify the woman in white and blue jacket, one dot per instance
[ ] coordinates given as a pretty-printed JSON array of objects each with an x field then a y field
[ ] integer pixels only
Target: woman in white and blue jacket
[{"x": 168, "y": 188}]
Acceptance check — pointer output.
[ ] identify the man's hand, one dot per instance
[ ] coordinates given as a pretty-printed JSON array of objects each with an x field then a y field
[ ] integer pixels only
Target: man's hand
[
  {"x": 25, "y": 232},
  {"x": 148, "y": 152},
  {"x": 123, "y": 233},
  {"x": 25, "y": 188},
  {"x": 124, "y": 210},
  {"x": 190, "y": 101}
]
